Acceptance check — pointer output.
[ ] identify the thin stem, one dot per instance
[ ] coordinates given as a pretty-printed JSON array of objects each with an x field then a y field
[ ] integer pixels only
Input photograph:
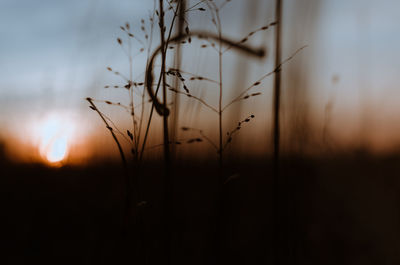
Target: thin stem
[
  {"x": 121, "y": 152},
  {"x": 204, "y": 136},
  {"x": 237, "y": 128},
  {"x": 277, "y": 69},
  {"x": 167, "y": 180},
  {"x": 277, "y": 85},
  {"x": 131, "y": 92},
  {"x": 116, "y": 128},
  {"x": 193, "y": 6},
  {"x": 220, "y": 106},
  {"x": 201, "y": 35},
  {"x": 276, "y": 140},
  {"x": 144, "y": 93},
  {"x": 208, "y": 140},
  {"x": 153, "y": 106},
  {"x": 223, "y": 4},
  {"x": 246, "y": 38},
  {"x": 194, "y": 75},
  {"x": 177, "y": 63},
  {"x": 196, "y": 98},
  {"x": 164, "y": 88},
  {"x": 220, "y": 86},
  {"x": 118, "y": 104}
]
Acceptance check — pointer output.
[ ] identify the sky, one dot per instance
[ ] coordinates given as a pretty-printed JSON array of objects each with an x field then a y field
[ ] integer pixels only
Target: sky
[
  {"x": 357, "y": 42},
  {"x": 55, "y": 40},
  {"x": 55, "y": 53}
]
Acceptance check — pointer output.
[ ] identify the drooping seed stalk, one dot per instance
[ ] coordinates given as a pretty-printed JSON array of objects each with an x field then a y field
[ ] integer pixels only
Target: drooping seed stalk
[
  {"x": 159, "y": 107},
  {"x": 128, "y": 183},
  {"x": 121, "y": 152}
]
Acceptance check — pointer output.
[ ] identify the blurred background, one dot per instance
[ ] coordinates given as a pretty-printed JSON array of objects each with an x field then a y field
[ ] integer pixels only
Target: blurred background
[
  {"x": 339, "y": 93},
  {"x": 62, "y": 182}
]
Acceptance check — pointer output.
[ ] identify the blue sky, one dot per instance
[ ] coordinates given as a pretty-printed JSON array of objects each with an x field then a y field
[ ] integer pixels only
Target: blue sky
[
  {"x": 47, "y": 40},
  {"x": 54, "y": 53}
]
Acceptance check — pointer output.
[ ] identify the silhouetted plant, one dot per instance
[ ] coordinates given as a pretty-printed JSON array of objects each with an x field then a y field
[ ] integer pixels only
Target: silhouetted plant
[
  {"x": 168, "y": 41},
  {"x": 187, "y": 36},
  {"x": 127, "y": 44},
  {"x": 221, "y": 42}
]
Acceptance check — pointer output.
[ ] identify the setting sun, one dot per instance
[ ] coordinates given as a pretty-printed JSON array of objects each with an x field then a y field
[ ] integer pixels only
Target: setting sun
[
  {"x": 57, "y": 150},
  {"x": 53, "y": 139}
]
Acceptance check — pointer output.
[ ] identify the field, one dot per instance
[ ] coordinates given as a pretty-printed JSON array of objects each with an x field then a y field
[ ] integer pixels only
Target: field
[{"x": 338, "y": 210}]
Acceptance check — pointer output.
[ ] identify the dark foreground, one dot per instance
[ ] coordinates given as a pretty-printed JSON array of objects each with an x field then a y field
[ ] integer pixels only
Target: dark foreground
[{"x": 343, "y": 210}]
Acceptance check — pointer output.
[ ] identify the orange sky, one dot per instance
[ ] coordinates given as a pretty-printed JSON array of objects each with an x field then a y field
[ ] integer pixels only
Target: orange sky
[{"x": 341, "y": 91}]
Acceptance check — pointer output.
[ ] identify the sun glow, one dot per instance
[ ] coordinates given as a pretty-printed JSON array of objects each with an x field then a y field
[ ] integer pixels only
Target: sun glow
[
  {"x": 57, "y": 150},
  {"x": 53, "y": 139}
]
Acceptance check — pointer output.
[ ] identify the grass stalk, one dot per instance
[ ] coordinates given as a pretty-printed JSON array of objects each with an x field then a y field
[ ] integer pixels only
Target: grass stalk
[
  {"x": 164, "y": 88},
  {"x": 121, "y": 152},
  {"x": 220, "y": 99},
  {"x": 132, "y": 103},
  {"x": 276, "y": 138},
  {"x": 144, "y": 92},
  {"x": 128, "y": 184},
  {"x": 154, "y": 105},
  {"x": 177, "y": 64},
  {"x": 277, "y": 85},
  {"x": 168, "y": 192}
]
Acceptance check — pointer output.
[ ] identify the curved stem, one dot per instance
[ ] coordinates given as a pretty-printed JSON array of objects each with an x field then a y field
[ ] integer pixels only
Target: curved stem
[
  {"x": 158, "y": 87},
  {"x": 121, "y": 152},
  {"x": 161, "y": 110}
]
